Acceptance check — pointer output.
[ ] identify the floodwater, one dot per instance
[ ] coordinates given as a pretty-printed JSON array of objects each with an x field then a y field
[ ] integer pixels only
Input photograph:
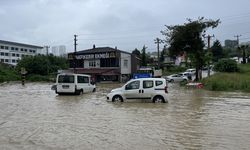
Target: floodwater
[{"x": 34, "y": 117}]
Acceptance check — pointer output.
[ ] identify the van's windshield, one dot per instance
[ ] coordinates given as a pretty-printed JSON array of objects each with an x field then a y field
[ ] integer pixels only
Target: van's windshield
[{"x": 66, "y": 79}]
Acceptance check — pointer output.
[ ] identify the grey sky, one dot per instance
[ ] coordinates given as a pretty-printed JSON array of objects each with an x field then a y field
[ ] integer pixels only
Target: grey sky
[{"x": 127, "y": 24}]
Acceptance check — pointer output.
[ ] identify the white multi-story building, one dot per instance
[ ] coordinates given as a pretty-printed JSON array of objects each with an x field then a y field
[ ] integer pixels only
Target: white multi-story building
[
  {"x": 59, "y": 51},
  {"x": 12, "y": 52}
]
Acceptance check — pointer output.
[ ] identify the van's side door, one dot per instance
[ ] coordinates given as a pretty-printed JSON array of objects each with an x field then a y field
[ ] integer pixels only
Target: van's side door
[
  {"x": 147, "y": 89},
  {"x": 132, "y": 90},
  {"x": 83, "y": 83}
]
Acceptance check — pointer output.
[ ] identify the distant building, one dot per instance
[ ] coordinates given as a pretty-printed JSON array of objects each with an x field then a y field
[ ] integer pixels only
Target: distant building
[
  {"x": 231, "y": 43},
  {"x": 59, "y": 50},
  {"x": 12, "y": 52},
  {"x": 104, "y": 63}
]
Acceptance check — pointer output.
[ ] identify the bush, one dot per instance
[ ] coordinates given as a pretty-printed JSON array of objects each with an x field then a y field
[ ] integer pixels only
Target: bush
[
  {"x": 8, "y": 74},
  {"x": 226, "y": 65},
  {"x": 37, "y": 78}
]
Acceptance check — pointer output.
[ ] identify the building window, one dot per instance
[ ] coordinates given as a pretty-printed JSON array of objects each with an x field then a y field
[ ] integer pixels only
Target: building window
[
  {"x": 6, "y": 47},
  {"x": 6, "y": 54},
  {"x": 6, "y": 60},
  {"x": 2, "y": 60},
  {"x": 2, "y": 54},
  {"x": 16, "y": 49},
  {"x": 25, "y": 50},
  {"x": 17, "y": 55},
  {"x": 12, "y": 48},
  {"x": 21, "y": 49},
  {"x": 13, "y": 54},
  {"x": 92, "y": 64},
  {"x": 2, "y": 47},
  {"x": 125, "y": 63},
  {"x": 13, "y": 61}
]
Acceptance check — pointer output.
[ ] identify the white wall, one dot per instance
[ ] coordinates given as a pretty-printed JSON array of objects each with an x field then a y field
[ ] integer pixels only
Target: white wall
[{"x": 125, "y": 70}]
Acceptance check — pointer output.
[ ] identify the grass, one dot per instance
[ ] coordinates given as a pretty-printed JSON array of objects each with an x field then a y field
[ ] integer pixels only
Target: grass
[{"x": 239, "y": 81}]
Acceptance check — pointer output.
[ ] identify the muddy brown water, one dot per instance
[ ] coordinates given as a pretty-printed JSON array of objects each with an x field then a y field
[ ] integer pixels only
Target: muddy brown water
[{"x": 34, "y": 117}]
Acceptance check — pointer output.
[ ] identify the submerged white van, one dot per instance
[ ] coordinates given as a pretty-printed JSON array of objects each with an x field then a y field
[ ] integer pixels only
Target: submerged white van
[
  {"x": 154, "y": 89},
  {"x": 74, "y": 84}
]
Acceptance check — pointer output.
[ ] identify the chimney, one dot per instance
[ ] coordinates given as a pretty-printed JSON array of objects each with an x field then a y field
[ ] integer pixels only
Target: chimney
[
  {"x": 116, "y": 48},
  {"x": 94, "y": 46}
]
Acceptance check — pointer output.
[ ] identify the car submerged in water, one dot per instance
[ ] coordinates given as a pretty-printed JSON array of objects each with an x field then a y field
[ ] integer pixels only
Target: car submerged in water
[
  {"x": 73, "y": 84},
  {"x": 154, "y": 89},
  {"x": 176, "y": 78}
]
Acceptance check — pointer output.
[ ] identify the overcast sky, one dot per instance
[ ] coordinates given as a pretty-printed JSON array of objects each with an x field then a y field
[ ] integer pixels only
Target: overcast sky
[{"x": 127, "y": 24}]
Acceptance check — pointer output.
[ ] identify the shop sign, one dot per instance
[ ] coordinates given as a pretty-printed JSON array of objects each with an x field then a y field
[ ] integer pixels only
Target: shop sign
[{"x": 96, "y": 56}]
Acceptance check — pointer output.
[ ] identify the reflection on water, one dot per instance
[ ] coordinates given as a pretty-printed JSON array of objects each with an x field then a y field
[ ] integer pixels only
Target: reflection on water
[{"x": 34, "y": 117}]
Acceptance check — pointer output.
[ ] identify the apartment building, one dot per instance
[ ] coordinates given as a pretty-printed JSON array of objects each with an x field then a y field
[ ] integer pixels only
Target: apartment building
[{"x": 12, "y": 52}]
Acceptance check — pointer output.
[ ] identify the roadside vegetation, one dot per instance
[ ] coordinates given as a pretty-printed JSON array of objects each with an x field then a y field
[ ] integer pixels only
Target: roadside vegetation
[
  {"x": 8, "y": 73},
  {"x": 39, "y": 68},
  {"x": 230, "y": 81}
]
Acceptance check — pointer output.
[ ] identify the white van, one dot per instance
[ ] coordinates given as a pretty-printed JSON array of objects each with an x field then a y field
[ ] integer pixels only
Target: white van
[
  {"x": 154, "y": 89},
  {"x": 74, "y": 84}
]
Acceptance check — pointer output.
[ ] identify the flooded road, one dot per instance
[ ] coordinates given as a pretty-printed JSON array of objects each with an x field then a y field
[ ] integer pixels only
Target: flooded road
[{"x": 34, "y": 117}]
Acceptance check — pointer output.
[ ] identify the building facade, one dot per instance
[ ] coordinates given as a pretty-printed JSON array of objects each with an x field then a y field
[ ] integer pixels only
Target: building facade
[
  {"x": 104, "y": 63},
  {"x": 12, "y": 52},
  {"x": 59, "y": 50}
]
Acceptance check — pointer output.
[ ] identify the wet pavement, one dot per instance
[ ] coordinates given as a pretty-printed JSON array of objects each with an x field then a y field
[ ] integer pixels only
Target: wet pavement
[{"x": 34, "y": 117}]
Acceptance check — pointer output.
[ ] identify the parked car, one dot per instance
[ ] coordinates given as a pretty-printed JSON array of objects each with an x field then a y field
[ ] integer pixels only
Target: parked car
[
  {"x": 154, "y": 89},
  {"x": 73, "y": 84},
  {"x": 186, "y": 74},
  {"x": 176, "y": 78},
  {"x": 192, "y": 71}
]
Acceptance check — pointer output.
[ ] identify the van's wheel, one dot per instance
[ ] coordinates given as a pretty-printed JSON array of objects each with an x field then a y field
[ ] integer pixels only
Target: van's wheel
[
  {"x": 158, "y": 99},
  {"x": 117, "y": 98},
  {"x": 79, "y": 92},
  {"x": 94, "y": 90}
]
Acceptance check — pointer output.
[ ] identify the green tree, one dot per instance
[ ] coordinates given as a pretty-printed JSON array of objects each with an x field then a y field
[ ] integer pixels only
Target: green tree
[
  {"x": 41, "y": 64},
  {"x": 137, "y": 53},
  {"x": 188, "y": 37},
  {"x": 217, "y": 51},
  {"x": 243, "y": 50}
]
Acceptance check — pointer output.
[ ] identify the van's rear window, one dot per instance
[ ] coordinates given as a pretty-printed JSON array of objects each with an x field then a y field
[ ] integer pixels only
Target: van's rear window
[{"x": 66, "y": 79}]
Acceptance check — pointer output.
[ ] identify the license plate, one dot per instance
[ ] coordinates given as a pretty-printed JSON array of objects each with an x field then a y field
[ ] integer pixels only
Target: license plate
[{"x": 65, "y": 86}]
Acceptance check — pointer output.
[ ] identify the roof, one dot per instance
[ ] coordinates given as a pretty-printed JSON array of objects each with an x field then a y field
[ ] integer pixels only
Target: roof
[
  {"x": 99, "y": 50},
  {"x": 19, "y": 44}
]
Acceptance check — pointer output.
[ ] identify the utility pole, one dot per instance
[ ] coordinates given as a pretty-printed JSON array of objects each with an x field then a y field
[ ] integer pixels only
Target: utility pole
[
  {"x": 75, "y": 44},
  {"x": 238, "y": 45},
  {"x": 47, "y": 49},
  {"x": 47, "y": 54},
  {"x": 208, "y": 47},
  {"x": 158, "y": 41},
  {"x": 238, "y": 41}
]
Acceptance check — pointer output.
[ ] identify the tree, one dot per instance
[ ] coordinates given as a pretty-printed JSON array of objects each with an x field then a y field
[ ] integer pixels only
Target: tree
[
  {"x": 137, "y": 53},
  {"x": 243, "y": 49},
  {"x": 217, "y": 51},
  {"x": 143, "y": 56},
  {"x": 41, "y": 64},
  {"x": 188, "y": 38}
]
